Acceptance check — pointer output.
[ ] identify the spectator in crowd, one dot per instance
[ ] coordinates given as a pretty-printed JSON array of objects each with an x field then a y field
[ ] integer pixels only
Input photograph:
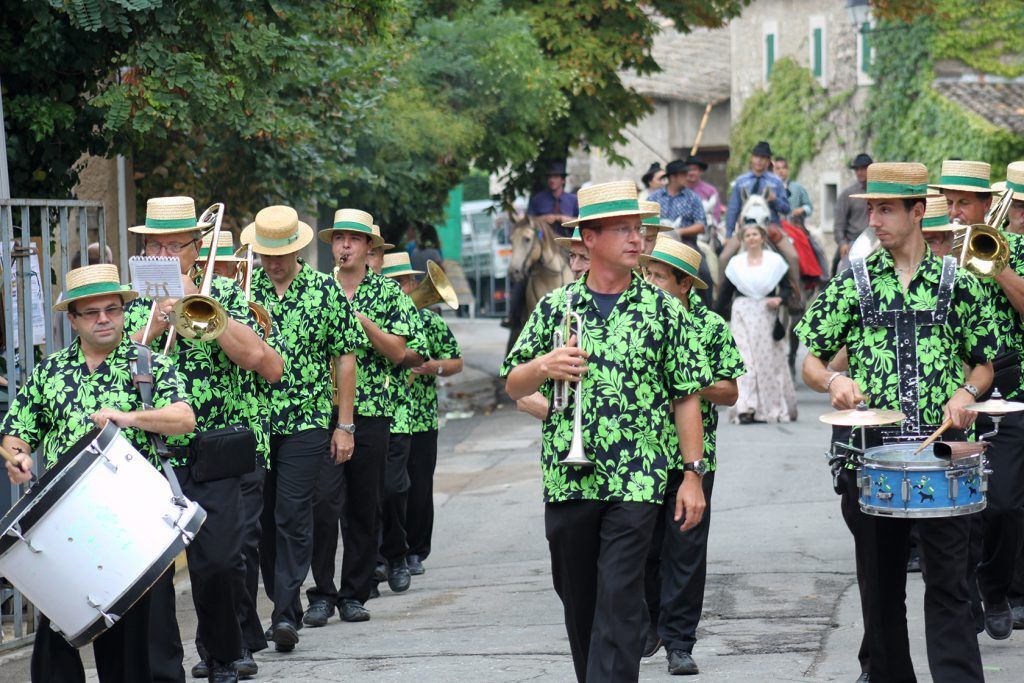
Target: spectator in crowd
[
  {"x": 653, "y": 180},
  {"x": 93, "y": 253},
  {"x": 756, "y": 181},
  {"x": 851, "y": 215},
  {"x": 682, "y": 208},
  {"x": 707, "y": 192},
  {"x": 800, "y": 207},
  {"x": 427, "y": 248},
  {"x": 553, "y": 205}
]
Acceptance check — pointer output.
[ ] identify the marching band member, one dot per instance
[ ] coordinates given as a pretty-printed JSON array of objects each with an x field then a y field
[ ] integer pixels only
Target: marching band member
[
  {"x": 375, "y": 257},
  {"x": 208, "y": 372},
  {"x": 354, "y": 489},
  {"x": 640, "y": 367},
  {"x": 677, "y": 564},
  {"x": 936, "y": 229},
  {"x": 903, "y": 302},
  {"x": 316, "y": 326},
  {"x": 91, "y": 378}
]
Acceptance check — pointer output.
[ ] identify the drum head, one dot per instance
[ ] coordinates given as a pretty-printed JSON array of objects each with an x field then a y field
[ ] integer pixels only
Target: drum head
[{"x": 893, "y": 454}]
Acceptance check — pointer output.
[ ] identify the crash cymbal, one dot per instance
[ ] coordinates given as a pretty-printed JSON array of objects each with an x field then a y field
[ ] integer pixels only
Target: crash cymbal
[
  {"x": 995, "y": 406},
  {"x": 863, "y": 417}
]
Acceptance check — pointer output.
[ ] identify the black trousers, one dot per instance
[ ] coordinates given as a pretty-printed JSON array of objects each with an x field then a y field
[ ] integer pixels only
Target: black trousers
[
  {"x": 1003, "y": 516},
  {"x": 350, "y": 494},
  {"x": 248, "y": 575},
  {"x": 286, "y": 543},
  {"x": 952, "y": 643},
  {"x": 849, "y": 505},
  {"x": 419, "y": 524},
  {"x": 121, "y": 652},
  {"x": 676, "y": 571},
  {"x": 165, "y": 651},
  {"x": 598, "y": 550},
  {"x": 395, "y": 500}
]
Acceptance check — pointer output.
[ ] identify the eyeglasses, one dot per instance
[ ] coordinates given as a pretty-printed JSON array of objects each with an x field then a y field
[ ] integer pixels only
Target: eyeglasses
[
  {"x": 172, "y": 248},
  {"x": 93, "y": 314},
  {"x": 628, "y": 230}
]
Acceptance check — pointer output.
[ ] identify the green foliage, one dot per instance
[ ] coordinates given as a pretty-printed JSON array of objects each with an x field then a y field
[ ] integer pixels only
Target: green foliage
[
  {"x": 792, "y": 113},
  {"x": 988, "y": 38}
]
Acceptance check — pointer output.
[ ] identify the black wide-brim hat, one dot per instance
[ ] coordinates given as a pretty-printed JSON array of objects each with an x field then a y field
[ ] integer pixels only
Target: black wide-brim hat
[
  {"x": 862, "y": 160},
  {"x": 696, "y": 161},
  {"x": 675, "y": 167},
  {"x": 762, "y": 149},
  {"x": 557, "y": 168}
]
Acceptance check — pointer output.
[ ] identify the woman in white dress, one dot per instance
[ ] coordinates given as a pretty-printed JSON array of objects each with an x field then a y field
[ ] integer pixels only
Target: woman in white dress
[{"x": 766, "y": 392}]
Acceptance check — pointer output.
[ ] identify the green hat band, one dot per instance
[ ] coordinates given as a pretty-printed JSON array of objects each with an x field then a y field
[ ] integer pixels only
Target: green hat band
[
  {"x": 881, "y": 187},
  {"x": 674, "y": 262},
  {"x": 221, "y": 251},
  {"x": 963, "y": 180},
  {"x": 276, "y": 241},
  {"x": 609, "y": 207},
  {"x": 653, "y": 220},
  {"x": 94, "y": 288},
  {"x": 935, "y": 222},
  {"x": 352, "y": 225},
  {"x": 1016, "y": 187},
  {"x": 170, "y": 223},
  {"x": 393, "y": 270}
]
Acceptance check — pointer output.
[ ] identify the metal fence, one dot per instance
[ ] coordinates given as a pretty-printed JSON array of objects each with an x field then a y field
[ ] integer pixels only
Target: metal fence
[{"x": 39, "y": 240}]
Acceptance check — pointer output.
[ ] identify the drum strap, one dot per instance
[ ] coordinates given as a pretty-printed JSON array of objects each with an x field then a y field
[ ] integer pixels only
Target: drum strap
[{"x": 142, "y": 378}]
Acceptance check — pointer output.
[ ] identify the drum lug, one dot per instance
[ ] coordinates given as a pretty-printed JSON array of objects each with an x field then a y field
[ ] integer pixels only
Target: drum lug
[
  {"x": 173, "y": 523},
  {"x": 864, "y": 482},
  {"x": 109, "y": 463},
  {"x": 108, "y": 619},
  {"x": 953, "y": 482},
  {"x": 905, "y": 489},
  {"x": 15, "y": 531}
]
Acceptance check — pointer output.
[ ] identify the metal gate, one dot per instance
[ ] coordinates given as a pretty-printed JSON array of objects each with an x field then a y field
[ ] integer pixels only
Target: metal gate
[{"x": 39, "y": 242}]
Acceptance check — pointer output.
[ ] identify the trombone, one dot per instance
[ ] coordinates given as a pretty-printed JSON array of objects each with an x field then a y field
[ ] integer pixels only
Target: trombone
[
  {"x": 572, "y": 324},
  {"x": 981, "y": 248},
  {"x": 244, "y": 277}
]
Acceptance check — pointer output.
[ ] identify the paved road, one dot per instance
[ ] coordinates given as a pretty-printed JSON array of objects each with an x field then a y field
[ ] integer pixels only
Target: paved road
[{"x": 781, "y": 602}]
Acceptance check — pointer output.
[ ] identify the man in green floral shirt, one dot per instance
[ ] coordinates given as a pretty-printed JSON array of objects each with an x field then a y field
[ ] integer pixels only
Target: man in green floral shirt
[
  {"x": 910, "y": 323},
  {"x": 677, "y": 564},
  {"x": 640, "y": 367},
  {"x": 71, "y": 392},
  {"x": 354, "y": 489}
]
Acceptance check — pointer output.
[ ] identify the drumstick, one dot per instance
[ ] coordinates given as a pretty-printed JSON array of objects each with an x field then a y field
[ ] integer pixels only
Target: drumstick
[
  {"x": 13, "y": 459},
  {"x": 936, "y": 434}
]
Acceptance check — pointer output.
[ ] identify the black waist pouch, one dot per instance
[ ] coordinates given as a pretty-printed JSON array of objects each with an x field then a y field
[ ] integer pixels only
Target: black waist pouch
[{"x": 223, "y": 453}]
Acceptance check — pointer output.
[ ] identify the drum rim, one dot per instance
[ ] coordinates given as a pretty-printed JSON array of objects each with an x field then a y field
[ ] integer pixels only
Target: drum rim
[
  {"x": 142, "y": 585},
  {"x": 54, "y": 484},
  {"x": 966, "y": 462},
  {"x": 924, "y": 513}
]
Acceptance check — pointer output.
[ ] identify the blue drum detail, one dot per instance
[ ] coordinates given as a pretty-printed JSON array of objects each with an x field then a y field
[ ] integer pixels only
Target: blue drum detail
[{"x": 896, "y": 483}]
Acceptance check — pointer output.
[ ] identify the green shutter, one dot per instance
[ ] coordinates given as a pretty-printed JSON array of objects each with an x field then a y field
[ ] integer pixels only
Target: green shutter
[
  {"x": 818, "y": 69},
  {"x": 769, "y": 54},
  {"x": 865, "y": 48}
]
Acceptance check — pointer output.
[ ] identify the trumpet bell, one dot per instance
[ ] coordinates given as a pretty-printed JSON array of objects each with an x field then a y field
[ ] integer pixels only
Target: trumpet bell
[
  {"x": 576, "y": 457},
  {"x": 982, "y": 250},
  {"x": 199, "y": 318},
  {"x": 435, "y": 288}
]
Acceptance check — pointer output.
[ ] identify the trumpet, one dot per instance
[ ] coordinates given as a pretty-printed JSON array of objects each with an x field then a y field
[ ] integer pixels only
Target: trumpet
[
  {"x": 572, "y": 324},
  {"x": 244, "y": 277}
]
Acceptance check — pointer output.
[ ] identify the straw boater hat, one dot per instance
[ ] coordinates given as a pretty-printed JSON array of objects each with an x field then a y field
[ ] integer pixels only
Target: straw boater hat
[
  {"x": 608, "y": 200},
  {"x": 966, "y": 176},
  {"x": 1015, "y": 179},
  {"x": 896, "y": 180},
  {"x": 397, "y": 265},
  {"x": 97, "y": 280},
  {"x": 168, "y": 215},
  {"x": 936, "y": 216},
  {"x": 676, "y": 255},
  {"x": 654, "y": 220},
  {"x": 352, "y": 220},
  {"x": 276, "y": 231},
  {"x": 576, "y": 238},
  {"x": 225, "y": 247},
  {"x": 386, "y": 246}
]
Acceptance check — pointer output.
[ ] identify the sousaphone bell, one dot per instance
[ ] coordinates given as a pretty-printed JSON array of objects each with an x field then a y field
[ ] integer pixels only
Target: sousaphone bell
[{"x": 435, "y": 288}]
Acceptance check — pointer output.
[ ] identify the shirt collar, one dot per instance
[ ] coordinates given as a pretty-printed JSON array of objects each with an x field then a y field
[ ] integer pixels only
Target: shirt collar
[
  {"x": 930, "y": 269},
  {"x": 125, "y": 348},
  {"x": 582, "y": 293}
]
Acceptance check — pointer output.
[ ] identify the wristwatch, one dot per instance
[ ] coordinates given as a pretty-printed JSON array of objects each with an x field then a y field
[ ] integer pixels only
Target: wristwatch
[
  {"x": 970, "y": 389},
  {"x": 350, "y": 428},
  {"x": 700, "y": 466},
  {"x": 440, "y": 370}
]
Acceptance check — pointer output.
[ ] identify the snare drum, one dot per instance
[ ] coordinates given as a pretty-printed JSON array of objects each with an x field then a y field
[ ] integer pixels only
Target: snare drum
[
  {"x": 896, "y": 483},
  {"x": 94, "y": 534}
]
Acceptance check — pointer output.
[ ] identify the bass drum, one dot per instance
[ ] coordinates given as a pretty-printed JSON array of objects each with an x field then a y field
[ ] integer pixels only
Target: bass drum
[{"x": 93, "y": 535}]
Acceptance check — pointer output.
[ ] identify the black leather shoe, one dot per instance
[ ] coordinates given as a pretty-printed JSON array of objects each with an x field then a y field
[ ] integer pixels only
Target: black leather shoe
[
  {"x": 1018, "y": 617},
  {"x": 914, "y": 564},
  {"x": 999, "y": 621},
  {"x": 246, "y": 666},
  {"x": 353, "y": 610},
  {"x": 285, "y": 636},
  {"x": 863, "y": 678},
  {"x": 652, "y": 641},
  {"x": 680, "y": 663},
  {"x": 269, "y": 633},
  {"x": 201, "y": 670},
  {"x": 399, "y": 579},
  {"x": 380, "y": 572},
  {"x": 222, "y": 673},
  {"x": 317, "y": 614},
  {"x": 415, "y": 565}
]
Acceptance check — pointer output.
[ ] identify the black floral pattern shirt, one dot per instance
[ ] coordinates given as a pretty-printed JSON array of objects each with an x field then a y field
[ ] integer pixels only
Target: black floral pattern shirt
[
  {"x": 379, "y": 298},
  {"x": 206, "y": 372},
  {"x": 315, "y": 323},
  {"x": 52, "y": 409},
  {"x": 400, "y": 383},
  {"x": 1009, "y": 323},
  {"x": 441, "y": 345},
  {"x": 254, "y": 405},
  {"x": 642, "y": 357},
  {"x": 835, "y": 320}
]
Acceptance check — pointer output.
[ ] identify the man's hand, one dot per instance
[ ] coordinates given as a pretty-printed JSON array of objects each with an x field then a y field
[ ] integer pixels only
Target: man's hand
[
  {"x": 844, "y": 249},
  {"x": 844, "y": 393},
  {"x": 342, "y": 446},
  {"x": 118, "y": 417},
  {"x": 427, "y": 368},
  {"x": 770, "y": 196},
  {"x": 22, "y": 471},
  {"x": 690, "y": 502},
  {"x": 798, "y": 211},
  {"x": 567, "y": 363},
  {"x": 954, "y": 410}
]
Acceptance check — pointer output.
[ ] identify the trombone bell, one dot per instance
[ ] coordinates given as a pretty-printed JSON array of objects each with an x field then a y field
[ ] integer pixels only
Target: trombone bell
[
  {"x": 435, "y": 288},
  {"x": 982, "y": 250},
  {"x": 199, "y": 317}
]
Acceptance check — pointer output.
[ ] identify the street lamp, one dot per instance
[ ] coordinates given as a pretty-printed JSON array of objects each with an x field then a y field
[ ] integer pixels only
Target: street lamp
[{"x": 859, "y": 12}]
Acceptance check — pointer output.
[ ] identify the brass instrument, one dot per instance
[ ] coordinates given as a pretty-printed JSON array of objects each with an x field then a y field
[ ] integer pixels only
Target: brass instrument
[
  {"x": 435, "y": 288},
  {"x": 572, "y": 324},
  {"x": 200, "y": 317},
  {"x": 981, "y": 248},
  {"x": 244, "y": 277}
]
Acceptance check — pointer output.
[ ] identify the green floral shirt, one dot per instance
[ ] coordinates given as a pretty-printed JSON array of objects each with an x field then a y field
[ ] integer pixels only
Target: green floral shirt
[
  {"x": 399, "y": 386},
  {"x": 52, "y": 409},
  {"x": 206, "y": 372},
  {"x": 834, "y": 320},
  {"x": 642, "y": 357},
  {"x": 441, "y": 345},
  {"x": 380, "y": 299},
  {"x": 254, "y": 401},
  {"x": 316, "y": 323},
  {"x": 1009, "y": 323}
]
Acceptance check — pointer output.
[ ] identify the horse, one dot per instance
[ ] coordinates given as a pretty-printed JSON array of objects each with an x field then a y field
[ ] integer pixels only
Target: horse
[{"x": 538, "y": 261}]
